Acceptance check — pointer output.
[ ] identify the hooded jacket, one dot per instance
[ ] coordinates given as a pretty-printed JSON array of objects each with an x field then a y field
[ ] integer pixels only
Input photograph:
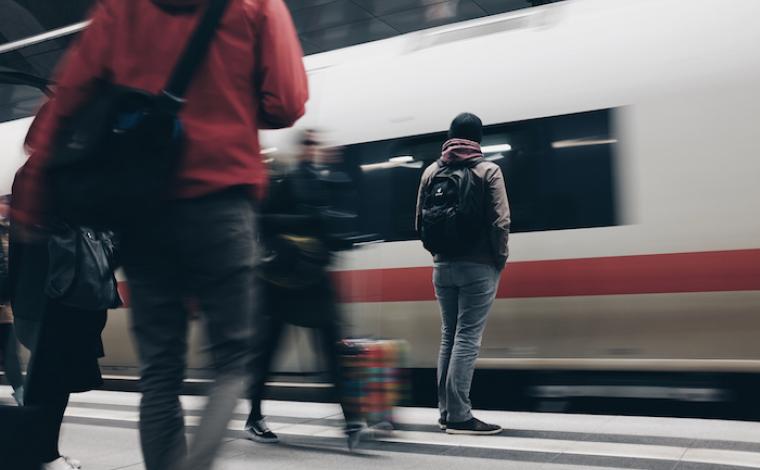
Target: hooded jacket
[
  {"x": 492, "y": 249},
  {"x": 253, "y": 78}
]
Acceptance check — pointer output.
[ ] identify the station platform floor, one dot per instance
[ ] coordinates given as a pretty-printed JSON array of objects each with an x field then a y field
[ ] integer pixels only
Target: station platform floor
[{"x": 100, "y": 429}]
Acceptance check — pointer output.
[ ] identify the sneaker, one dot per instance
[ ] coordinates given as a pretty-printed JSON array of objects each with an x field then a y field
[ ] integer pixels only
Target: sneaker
[
  {"x": 442, "y": 421},
  {"x": 383, "y": 426},
  {"x": 383, "y": 429},
  {"x": 18, "y": 395},
  {"x": 472, "y": 426},
  {"x": 354, "y": 433},
  {"x": 73, "y": 462},
  {"x": 258, "y": 431},
  {"x": 61, "y": 463}
]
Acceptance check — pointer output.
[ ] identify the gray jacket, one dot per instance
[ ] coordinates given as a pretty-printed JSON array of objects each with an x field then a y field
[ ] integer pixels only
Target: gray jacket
[{"x": 492, "y": 249}]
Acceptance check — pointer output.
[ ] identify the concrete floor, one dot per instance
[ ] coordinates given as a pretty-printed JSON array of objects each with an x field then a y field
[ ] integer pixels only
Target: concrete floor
[{"x": 100, "y": 430}]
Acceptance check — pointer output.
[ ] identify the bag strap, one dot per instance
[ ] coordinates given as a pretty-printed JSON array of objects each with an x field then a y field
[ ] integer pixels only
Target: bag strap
[
  {"x": 473, "y": 162},
  {"x": 193, "y": 55}
]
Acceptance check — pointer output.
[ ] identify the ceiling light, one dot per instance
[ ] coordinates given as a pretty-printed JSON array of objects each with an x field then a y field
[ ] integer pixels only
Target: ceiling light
[
  {"x": 378, "y": 166},
  {"x": 392, "y": 164},
  {"x": 402, "y": 159},
  {"x": 268, "y": 150},
  {"x": 496, "y": 148},
  {"x": 565, "y": 144}
]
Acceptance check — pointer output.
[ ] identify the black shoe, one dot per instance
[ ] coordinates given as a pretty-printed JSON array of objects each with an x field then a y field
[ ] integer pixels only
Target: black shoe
[
  {"x": 354, "y": 433},
  {"x": 442, "y": 420},
  {"x": 380, "y": 430},
  {"x": 472, "y": 426},
  {"x": 259, "y": 431}
]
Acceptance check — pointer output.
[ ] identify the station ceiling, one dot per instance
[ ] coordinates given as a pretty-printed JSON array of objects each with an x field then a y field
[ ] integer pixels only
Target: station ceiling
[{"x": 322, "y": 25}]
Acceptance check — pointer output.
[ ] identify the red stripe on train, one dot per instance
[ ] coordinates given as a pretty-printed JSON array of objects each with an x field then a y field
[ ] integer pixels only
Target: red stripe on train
[{"x": 713, "y": 271}]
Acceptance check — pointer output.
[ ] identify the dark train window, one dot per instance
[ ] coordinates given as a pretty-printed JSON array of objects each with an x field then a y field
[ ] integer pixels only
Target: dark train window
[
  {"x": 559, "y": 174},
  {"x": 38, "y": 61},
  {"x": 19, "y": 101}
]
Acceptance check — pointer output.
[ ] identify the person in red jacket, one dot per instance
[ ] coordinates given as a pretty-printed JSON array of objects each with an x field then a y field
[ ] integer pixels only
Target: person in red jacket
[{"x": 202, "y": 246}]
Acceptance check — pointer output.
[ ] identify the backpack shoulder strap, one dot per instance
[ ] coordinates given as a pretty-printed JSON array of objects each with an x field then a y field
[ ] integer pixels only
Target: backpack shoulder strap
[
  {"x": 473, "y": 162},
  {"x": 194, "y": 53}
]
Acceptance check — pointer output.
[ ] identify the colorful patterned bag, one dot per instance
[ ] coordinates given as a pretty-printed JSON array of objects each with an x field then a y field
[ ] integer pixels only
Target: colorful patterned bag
[{"x": 375, "y": 378}]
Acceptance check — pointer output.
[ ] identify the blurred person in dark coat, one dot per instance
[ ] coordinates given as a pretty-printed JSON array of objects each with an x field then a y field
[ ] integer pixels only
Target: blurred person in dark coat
[
  {"x": 64, "y": 342},
  {"x": 8, "y": 343},
  {"x": 295, "y": 285}
]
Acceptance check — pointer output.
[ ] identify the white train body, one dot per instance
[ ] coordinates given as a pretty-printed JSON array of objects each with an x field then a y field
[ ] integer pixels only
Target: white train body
[{"x": 673, "y": 284}]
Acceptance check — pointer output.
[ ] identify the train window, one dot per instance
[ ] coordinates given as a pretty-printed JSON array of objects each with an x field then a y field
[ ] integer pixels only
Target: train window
[
  {"x": 37, "y": 61},
  {"x": 559, "y": 174},
  {"x": 19, "y": 101},
  {"x": 387, "y": 175}
]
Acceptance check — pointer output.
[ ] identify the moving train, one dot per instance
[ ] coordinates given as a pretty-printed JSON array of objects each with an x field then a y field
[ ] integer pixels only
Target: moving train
[{"x": 628, "y": 136}]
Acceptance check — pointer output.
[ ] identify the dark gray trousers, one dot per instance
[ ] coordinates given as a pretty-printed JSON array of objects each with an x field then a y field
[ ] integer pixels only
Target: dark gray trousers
[{"x": 201, "y": 250}]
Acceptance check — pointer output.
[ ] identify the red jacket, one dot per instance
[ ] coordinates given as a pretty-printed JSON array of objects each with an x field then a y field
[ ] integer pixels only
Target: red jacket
[{"x": 253, "y": 78}]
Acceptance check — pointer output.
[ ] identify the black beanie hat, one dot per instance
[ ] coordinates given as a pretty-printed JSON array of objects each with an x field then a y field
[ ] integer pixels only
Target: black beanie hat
[{"x": 466, "y": 126}]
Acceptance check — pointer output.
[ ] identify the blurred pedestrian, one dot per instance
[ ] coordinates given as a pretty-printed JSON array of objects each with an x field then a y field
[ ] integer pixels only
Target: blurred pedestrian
[
  {"x": 201, "y": 242},
  {"x": 62, "y": 335},
  {"x": 9, "y": 354},
  {"x": 8, "y": 343},
  {"x": 463, "y": 220},
  {"x": 295, "y": 285}
]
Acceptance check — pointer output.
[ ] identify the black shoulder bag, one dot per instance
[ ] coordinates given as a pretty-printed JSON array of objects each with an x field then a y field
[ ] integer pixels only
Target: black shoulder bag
[
  {"x": 81, "y": 269},
  {"x": 116, "y": 158}
]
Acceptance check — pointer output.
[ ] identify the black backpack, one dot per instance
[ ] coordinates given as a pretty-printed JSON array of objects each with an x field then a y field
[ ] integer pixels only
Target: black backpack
[
  {"x": 115, "y": 159},
  {"x": 453, "y": 209}
]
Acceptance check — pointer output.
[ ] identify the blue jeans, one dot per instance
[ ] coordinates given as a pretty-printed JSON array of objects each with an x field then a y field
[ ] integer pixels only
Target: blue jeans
[{"x": 465, "y": 292}]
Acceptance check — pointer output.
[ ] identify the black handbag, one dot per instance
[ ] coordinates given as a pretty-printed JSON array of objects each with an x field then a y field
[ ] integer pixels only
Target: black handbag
[
  {"x": 81, "y": 269},
  {"x": 293, "y": 261},
  {"x": 294, "y": 252},
  {"x": 115, "y": 159}
]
